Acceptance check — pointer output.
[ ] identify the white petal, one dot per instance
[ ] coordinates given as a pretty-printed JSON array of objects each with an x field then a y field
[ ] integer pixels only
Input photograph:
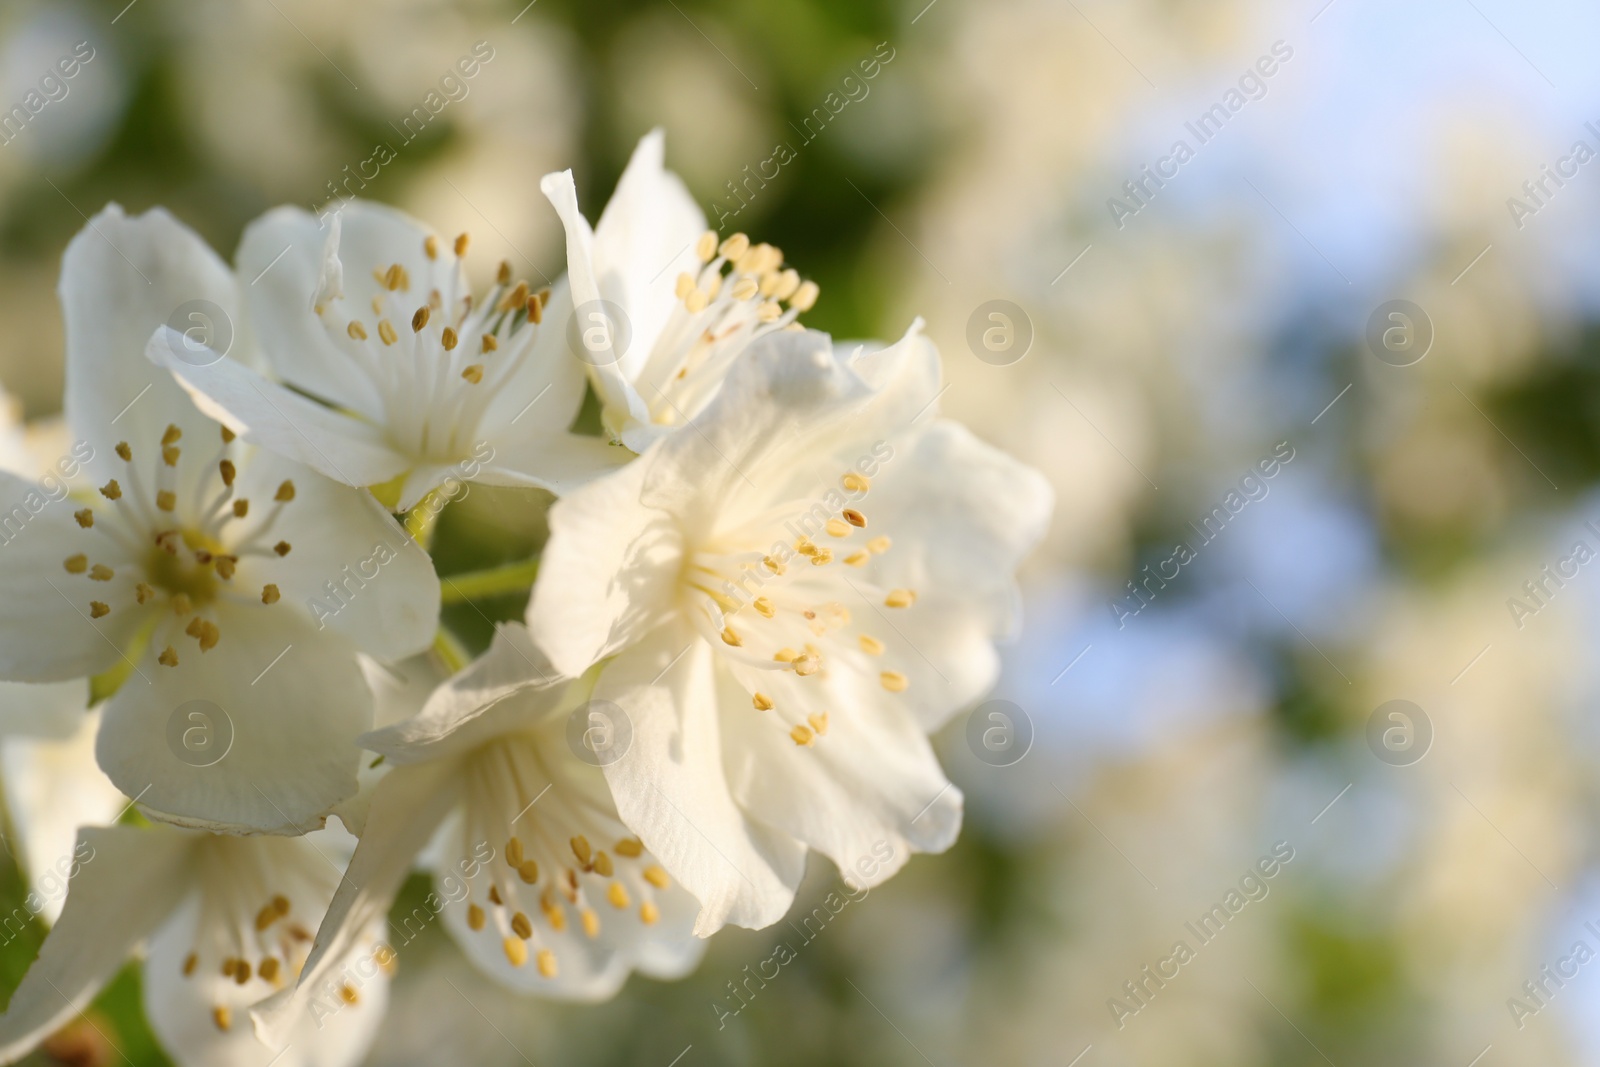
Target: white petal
[
  {"x": 871, "y": 781},
  {"x": 283, "y": 257},
  {"x": 262, "y": 412},
  {"x": 121, "y": 278},
  {"x": 46, "y": 633},
  {"x": 559, "y": 462},
  {"x": 671, "y": 789},
  {"x": 473, "y": 706},
  {"x": 353, "y": 570},
  {"x": 964, "y": 515},
  {"x": 407, "y": 808},
  {"x": 545, "y": 391},
  {"x": 617, "y": 396},
  {"x": 53, "y": 787},
  {"x": 609, "y": 571},
  {"x": 128, "y": 880},
  {"x": 645, "y": 238},
  {"x": 293, "y": 726}
]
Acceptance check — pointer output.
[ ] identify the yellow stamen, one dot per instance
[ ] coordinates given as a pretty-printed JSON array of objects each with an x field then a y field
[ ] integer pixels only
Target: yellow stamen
[
  {"x": 514, "y": 855},
  {"x": 269, "y": 594},
  {"x": 269, "y": 969},
  {"x": 649, "y": 914},
  {"x": 729, "y": 637},
  {"x": 802, "y": 736},
  {"x": 786, "y": 655},
  {"x": 762, "y": 702},
  {"x": 282, "y": 548},
  {"x": 86, "y": 517},
  {"x": 124, "y": 452},
  {"x": 805, "y": 297},
  {"x": 98, "y": 610},
  {"x": 735, "y": 246},
  {"x": 111, "y": 490},
  {"x": 617, "y": 894},
  {"x": 143, "y": 591},
  {"x": 838, "y": 528},
  {"x": 241, "y": 508},
  {"x": 171, "y": 435},
  {"x": 819, "y": 722},
  {"x": 602, "y": 865},
  {"x": 166, "y": 500},
  {"x": 386, "y": 332},
  {"x": 521, "y": 926},
  {"x": 449, "y": 339},
  {"x": 76, "y": 564},
  {"x": 591, "y": 922},
  {"x": 580, "y": 849},
  {"x": 285, "y": 491},
  {"x": 764, "y": 607},
  {"x": 900, "y": 598},
  {"x": 170, "y": 454},
  {"x": 475, "y": 917},
  {"x": 657, "y": 876},
  {"x": 894, "y": 681},
  {"x": 516, "y": 951},
  {"x": 547, "y": 963},
  {"x": 420, "y": 319},
  {"x": 706, "y": 247},
  {"x": 473, "y": 373},
  {"x": 630, "y": 847},
  {"x": 855, "y": 518},
  {"x": 870, "y": 645},
  {"x": 190, "y": 962},
  {"x": 430, "y": 246},
  {"x": 101, "y": 573},
  {"x": 356, "y": 331},
  {"x": 169, "y": 657},
  {"x": 228, "y": 471},
  {"x": 489, "y": 343},
  {"x": 222, "y": 1017},
  {"x": 461, "y": 245},
  {"x": 528, "y": 871}
]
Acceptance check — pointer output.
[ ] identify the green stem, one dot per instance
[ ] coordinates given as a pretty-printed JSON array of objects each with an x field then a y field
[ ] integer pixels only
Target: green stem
[
  {"x": 475, "y": 585},
  {"x": 450, "y": 650}
]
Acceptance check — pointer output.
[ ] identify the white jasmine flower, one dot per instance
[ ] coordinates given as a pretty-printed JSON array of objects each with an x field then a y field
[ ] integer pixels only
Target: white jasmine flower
[
  {"x": 536, "y": 877},
  {"x": 227, "y": 920},
  {"x": 383, "y": 369},
  {"x": 689, "y": 304},
  {"x": 197, "y": 565},
  {"x": 785, "y": 596}
]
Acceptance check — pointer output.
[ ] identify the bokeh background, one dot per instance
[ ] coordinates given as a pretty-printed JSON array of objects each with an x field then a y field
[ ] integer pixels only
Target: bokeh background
[{"x": 1173, "y": 343}]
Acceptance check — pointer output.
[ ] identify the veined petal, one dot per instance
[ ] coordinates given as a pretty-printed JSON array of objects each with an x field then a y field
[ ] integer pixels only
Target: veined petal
[
  {"x": 284, "y": 255},
  {"x": 609, "y": 572},
  {"x": 645, "y": 238},
  {"x": 353, "y": 569},
  {"x": 472, "y": 707},
  {"x": 407, "y": 808},
  {"x": 670, "y": 786},
  {"x": 340, "y": 446},
  {"x": 277, "y": 706},
  {"x": 126, "y": 884},
  {"x": 617, "y": 394},
  {"x": 872, "y": 780},
  {"x": 121, "y": 278}
]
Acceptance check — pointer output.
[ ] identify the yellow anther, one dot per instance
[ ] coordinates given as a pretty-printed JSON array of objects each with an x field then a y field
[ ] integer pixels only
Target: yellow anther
[
  {"x": 386, "y": 332},
  {"x": 503, "y": 272},
  {"x": 554, "y": 916},
  {"x": 124, "y": 452},
  {"x": 285, "y": 491},
  {"x": 878, "y": 545},
  {"x": 617, "y": 894},
  {"x": 98, "y": 610},
  {"x": 241, "y": 972},
  {"x": 356, "y": 331},
  {"x": 166, "y": 500},
  {"x": 762, "y": 702},
  {"x": 227, "y": 435},
  {"x": 420, "y": 319},
  {"x": 85, "y": 517},
  {"x": 76, "y": 564},
  {"x": 182, "y": 605},
  {"x": 870, "y": 645},
  {"x": 462, "y": 241},
  {"x": 772, "y": 565},
  {"x": 348, "y": 994},
  {"x": 473, "y": 373},
  {"x": 241, "y": 508},
  {"x": 516, "y": 951},
  {"x": 489, "y": 342},
  {"x": 521, "y": 926},
  {"x": 282, "y": 548},
  {"x": 769, "y": 312},
  {"x": 190, "y": 962},
  {"x": 649, "y": 914},
  {"x": 591, "y": 922},
  {"x": 630, "y": 847},
  {"x": 171, "y": 435},
  {"x": 822, "y": 557},
  {"x": 735, "y": 246},
  {"x": 269, "y": 969},
  {"x": 449, "y": 339},
  {"x": 858, "y": 559},
  {"x": 729, "y": 637},
  {"x": 900, "y": 598},
  {"x": 228, "y": 471},
  {"x": 430, "y": 246},
  {"x": 111, "y": 490},
  {"x": 745, "y": 289},
  {"x": 547, "y": 963},
  {"x": 602, "y": 865},
  {"x": 280, "y": 904},
  {"x": 894, "y": 681},
  {"x": 475, "y": 917},
  {"x": 494, "y": 895},
  {"x": 696, "y": 301},
  {"x": 580, "y": 849},
  {"x": 854, "y": 518},
  {"x": 536, "y": 310},
  {"x": 226, "y": 565},
  {"x": 786, "y": 655},
  {"x": 856, "y": 483},
  {"x": 657, "y": 876},
  {"x": 706, "y": 247},
  {"x": 805, "y": 547},
  {"x": 819, "y": 722},
  {"x": 802, "y": 735},
  {"x": 528, "y": 871},
  {"x": 101, "y": 573},
  {"x": 170, "y": 454},
  {"x": 838, "y": 528},
  {"x": 143, "y": 592},
  {"x": 808, "y": 664},
  {"x": 805, "y": 297},
  {"x": 265, "y": 917},
  {"x": 270, "y": 594},
  {"x": 786, "y": 285},
  {"x": 222, "y": 1017},
  {"x": 685, "y": 285},
  {"x": 168, "y": 657},
  {"x": 514, "y": 856}
]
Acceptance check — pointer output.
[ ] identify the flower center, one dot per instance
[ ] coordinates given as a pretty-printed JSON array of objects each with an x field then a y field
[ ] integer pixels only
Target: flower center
[
  {"x": 155, "y": 548},
  {"x": 548, "y": 865},
  {"x": 736, "y": 297},
  {"x": 436, "y": 373},
  {"x": 778, "y": 613}
]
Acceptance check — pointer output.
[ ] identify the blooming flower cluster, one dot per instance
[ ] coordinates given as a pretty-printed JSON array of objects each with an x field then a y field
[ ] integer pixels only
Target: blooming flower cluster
[{"x": 771, "y": 575}]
